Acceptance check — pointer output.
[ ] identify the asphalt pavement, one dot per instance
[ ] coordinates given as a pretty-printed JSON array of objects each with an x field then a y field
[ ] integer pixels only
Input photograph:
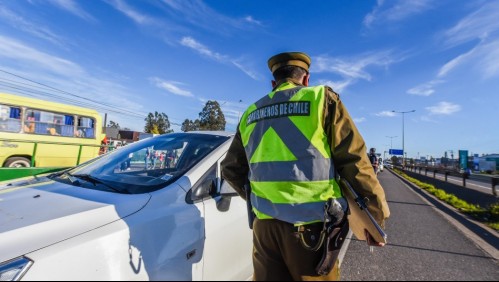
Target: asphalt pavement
[{"x": 426, "y": 241}]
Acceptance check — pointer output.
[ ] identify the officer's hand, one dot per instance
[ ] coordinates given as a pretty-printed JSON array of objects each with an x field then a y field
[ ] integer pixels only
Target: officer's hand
[{"x": 371, "y": 242}]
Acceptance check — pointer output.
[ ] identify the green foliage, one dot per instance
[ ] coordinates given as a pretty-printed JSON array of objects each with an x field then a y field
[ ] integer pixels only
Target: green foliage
[
  {"x": 157, "y": 123},
  {"x": 212, "y": 117},
  {"x": 490, "y": 216},
  {"x": 189, "y": 125},
  {"x": 113, "y": 124}
]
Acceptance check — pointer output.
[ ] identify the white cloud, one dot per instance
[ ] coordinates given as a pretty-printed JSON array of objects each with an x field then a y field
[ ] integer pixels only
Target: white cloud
[
  {"x": 488, "y": 57},
  {"x": 12, "y": 49},
  {"x": 354, "y": 68},
  {"x": 397, "y": 11},
  {"x": 244, "y": 69},
  {"x": 444, "y": 108},
  {"x": 73, "y": 7},
  {"x": 171, "y": 86},
  {"x": 196, "y": 12},
  {"x": 250, "y": 19},
  {"x": 338, "y": 86},
  {"x": 426, "y": 89},
  {"x": 201, "y": 49},
  {"x": 359, "y": 120},
  {"x": 481, "y": 24},
  {"x": 454, "y": 63},
  {"x": 205, "y": 51},
  {"x": 31, "y": 72},
  {"x": 136, "y": 16},
  {"x": 35, "y": 29},
  {"x": 386, "y": 114}
]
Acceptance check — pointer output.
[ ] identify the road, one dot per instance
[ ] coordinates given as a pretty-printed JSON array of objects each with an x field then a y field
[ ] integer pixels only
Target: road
[{"x": 423, "y": 243}]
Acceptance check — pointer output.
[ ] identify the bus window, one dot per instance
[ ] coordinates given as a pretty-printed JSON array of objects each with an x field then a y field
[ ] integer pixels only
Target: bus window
[
  {"x": 42, "y": 122},
  {"x": 10, "y": 119},
  {"x": 43, "y": 133},
  {"x": 86, "y": 127},
  {"x": 67, "y": 127}
]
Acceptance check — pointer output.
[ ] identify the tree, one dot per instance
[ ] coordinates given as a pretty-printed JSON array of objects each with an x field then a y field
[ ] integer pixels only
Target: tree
[
  {"x": 189, "y": 125},
  {"x": 113, "y": 124},
  {"x": 211, "y": 117},
  {"x": 157, "y": 123}
]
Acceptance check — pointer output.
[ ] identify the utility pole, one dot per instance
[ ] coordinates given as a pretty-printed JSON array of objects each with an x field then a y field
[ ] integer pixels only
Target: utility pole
[{"x": 403, "y": 148}]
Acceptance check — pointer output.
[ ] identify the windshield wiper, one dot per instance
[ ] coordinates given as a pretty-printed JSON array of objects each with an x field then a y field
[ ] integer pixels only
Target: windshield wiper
[
  {"x": 71, "y": 178},
  {"x": 95, "y": 181}
]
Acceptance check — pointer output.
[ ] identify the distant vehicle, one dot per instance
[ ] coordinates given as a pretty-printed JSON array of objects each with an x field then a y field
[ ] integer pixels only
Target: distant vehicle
[
  {"x": 380, "y": 164},
  {"x": 389, "y": 165},
  {"x": 174, "y": 219},
  {"x": 25, "y": 122}
]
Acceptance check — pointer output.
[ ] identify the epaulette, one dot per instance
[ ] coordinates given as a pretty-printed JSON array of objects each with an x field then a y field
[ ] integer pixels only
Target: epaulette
[{"x": 334, "y": 94}]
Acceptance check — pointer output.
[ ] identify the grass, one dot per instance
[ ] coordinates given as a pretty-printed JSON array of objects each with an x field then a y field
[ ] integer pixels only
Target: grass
[{"x": 488, "y": 216}]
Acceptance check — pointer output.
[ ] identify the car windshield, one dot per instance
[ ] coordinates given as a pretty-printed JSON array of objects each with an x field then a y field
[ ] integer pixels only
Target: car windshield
[{"x": 144, "y": 166}]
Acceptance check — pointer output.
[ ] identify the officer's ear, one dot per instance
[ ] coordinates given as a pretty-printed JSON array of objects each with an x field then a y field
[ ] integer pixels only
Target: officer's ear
[{"x": 306, "y": 79}]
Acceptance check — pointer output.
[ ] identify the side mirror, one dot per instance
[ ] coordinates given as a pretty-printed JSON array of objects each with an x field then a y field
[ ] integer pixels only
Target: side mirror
[{"x": 206, "y": 189}]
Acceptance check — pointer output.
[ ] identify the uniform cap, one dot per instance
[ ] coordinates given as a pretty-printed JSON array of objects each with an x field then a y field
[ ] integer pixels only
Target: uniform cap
[{"x": 298, "y": 59}]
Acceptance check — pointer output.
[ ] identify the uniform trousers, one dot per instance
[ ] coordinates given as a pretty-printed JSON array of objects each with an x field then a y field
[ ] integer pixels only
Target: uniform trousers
[{"x": 278, "y": 254}]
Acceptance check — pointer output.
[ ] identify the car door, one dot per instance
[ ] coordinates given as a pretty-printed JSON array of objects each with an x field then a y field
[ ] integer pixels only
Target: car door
[{"x": 228, "y": 247}]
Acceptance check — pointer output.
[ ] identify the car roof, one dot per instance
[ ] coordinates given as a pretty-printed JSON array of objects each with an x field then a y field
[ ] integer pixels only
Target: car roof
[
  {"x": 222, "y": 133},
  {"x": 214, "y": 133}
]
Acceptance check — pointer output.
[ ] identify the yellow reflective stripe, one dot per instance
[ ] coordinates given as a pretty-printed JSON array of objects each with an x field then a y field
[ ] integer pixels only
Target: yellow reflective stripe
[
  {"x": 297, "y": 192},
  {"x": 243, "y": 128},
  {"x": 261, "y": 215},
  {"x": 314, "y": 132}
]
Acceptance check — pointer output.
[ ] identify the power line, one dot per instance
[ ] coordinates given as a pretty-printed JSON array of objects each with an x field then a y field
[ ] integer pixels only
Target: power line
[
  {"x": 40, "y": 90},
  {"x": 116, "y": 109}
]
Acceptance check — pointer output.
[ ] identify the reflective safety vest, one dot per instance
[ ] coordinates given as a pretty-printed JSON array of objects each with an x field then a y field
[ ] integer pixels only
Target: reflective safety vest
[{"x": 291, "y": 171}]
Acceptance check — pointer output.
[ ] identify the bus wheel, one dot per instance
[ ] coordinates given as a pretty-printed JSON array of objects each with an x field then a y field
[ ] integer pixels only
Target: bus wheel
[{"x": 18, "y": 162}]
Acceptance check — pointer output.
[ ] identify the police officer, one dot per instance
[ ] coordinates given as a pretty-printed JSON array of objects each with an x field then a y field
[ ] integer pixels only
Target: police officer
[
  {"x": 288, "y": 145},
  {"x": 373, "y": 159}
]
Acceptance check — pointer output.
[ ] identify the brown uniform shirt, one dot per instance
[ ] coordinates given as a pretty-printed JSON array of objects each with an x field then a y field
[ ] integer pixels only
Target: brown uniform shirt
[{"x": 348, "y": 150}]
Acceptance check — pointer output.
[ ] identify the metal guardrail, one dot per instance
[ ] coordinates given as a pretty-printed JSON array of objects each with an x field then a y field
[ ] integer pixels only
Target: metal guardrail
[
  {"x": 12, "y": 173},
  {"x": 494, "y": 180}
]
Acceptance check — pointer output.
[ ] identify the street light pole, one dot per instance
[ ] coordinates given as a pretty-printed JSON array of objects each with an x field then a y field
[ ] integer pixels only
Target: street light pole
[
  {"x": 391, "y": 139},
  {"x": 403, "y": 147}
]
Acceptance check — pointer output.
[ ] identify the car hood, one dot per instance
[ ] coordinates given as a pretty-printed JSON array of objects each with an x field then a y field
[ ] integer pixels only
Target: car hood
[{"x": 39, "y": 212}]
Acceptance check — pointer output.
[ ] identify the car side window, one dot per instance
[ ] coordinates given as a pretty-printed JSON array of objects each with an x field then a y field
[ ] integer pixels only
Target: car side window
[{"x": 227, "y": 190}]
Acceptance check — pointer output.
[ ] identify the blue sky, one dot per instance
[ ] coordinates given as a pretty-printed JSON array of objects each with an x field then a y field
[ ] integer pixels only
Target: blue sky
[{"x": 129, "y": 58}]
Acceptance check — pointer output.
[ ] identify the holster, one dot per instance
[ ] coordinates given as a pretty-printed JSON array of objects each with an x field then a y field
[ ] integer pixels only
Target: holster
[{"x": 332, "y": 245}]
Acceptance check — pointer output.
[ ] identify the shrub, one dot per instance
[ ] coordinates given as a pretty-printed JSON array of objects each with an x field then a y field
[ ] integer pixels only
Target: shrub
[{"x": 489, "y": 216}]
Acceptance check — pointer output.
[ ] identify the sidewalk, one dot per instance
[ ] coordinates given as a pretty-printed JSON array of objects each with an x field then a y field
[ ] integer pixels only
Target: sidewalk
[{"x": 423, "y": 244}]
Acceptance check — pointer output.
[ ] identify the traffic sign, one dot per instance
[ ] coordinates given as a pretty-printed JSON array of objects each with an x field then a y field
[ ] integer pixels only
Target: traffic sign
[{"x": 398, "y": 152}]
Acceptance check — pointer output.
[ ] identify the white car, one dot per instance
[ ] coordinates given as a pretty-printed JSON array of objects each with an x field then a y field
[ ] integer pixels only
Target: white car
[
  {"x": 380, "y": 164},
  {"x": 113, "y": 218}
]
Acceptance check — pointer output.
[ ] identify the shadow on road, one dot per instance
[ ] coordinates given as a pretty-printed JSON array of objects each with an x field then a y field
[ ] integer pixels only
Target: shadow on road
[{"x": 430, "y": 250}]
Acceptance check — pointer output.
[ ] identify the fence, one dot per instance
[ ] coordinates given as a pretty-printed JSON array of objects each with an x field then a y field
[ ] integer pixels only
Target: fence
[
  {"x": 446, "y": 172},
  {"x": 8, "y": 173}
]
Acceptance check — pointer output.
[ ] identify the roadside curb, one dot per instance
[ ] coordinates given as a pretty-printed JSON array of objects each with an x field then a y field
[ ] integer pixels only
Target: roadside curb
[{"x": 466, "y": 231}]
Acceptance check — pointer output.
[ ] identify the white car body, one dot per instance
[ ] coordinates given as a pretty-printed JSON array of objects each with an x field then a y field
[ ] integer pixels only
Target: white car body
[
  {"x": 380, "y": 164},
  {"x": 73, "y": 233}
]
